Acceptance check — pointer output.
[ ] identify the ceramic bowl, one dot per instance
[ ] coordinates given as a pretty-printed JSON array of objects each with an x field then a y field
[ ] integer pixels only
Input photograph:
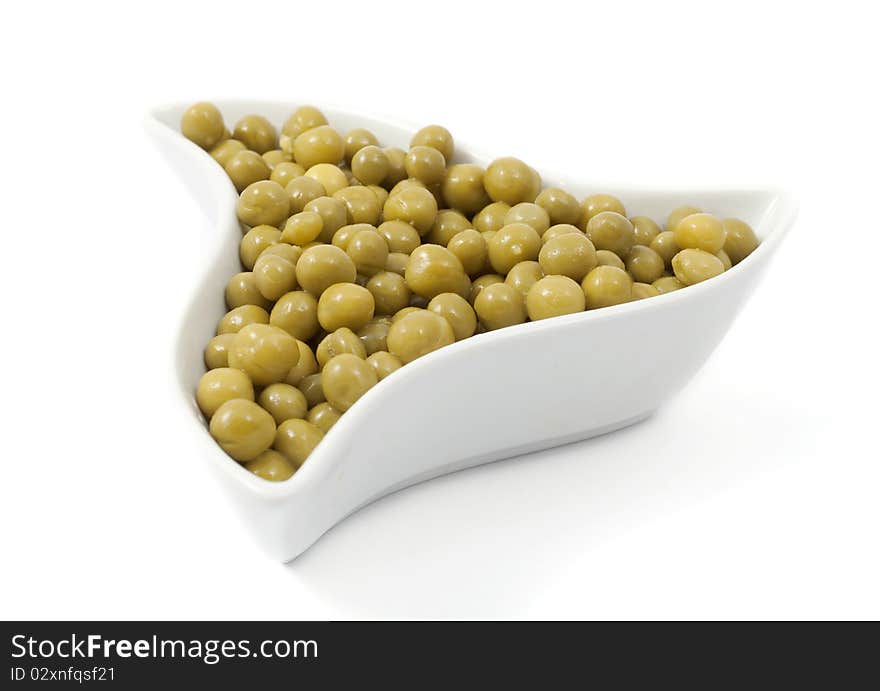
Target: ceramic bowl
[{"x": 471, "y": 402}]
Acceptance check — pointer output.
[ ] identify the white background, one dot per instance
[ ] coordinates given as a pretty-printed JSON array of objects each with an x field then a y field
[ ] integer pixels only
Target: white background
[{"x": 754, "y": 493}]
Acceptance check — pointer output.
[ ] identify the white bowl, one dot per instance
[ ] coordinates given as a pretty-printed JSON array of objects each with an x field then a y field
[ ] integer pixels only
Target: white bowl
[{"x": 493, "y": 396}]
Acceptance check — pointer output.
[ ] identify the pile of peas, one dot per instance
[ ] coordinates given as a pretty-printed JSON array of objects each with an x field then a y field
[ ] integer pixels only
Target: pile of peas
[{"x": 358, "y": 259}]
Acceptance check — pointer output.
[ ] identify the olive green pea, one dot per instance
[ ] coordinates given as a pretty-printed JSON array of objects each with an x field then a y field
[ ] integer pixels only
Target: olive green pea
[
  {"x": 491, "y": 217},
  {"x": 283, "y": 401},
  {"x": 390, "y": 292},
  {"x": 469, "y": 246},
  {"x": 321, "y": 266},
  {"x": 374, "y": 333},
  {"x": 310, "y": 385},
  {"x": 433, "y": 269},
  {"x": 645, "y": 230},
  {"x": 554, "y": 296},
  {"x": 666, "y": 284},
  {"x": 568, "y": 254},
  {"x": 524, "y": 275},
  {"x": 217, "y": 351},
  {"x": 694, "y": 266},
  {"x": 664, "y": 244},
  {"x": 596, "y": 204},
  {"x": 264, "y": 352},
  {"x": 333, "y": 213},
  {"x": 296, "y": 313},
  {"x": 316, "y": 145},
  {"x": 384, "y": 363},
  {"x": 274, "y": 275},
  {"x": 457, "y": 311},
  {"x": 400, "y": 236},
  {"x": 396, "y": 167},
  {"x": 271, "y": 465},
  {"x": 242, "y": 428},
  {"x": 343, "y": 340},
  {"x": 499, "y": 305},
  {"x": 425, "y": 163},
  {"x": 202, "y": 124},
  {"x": 242, "y": 290},
  {"x": 357, "y": 139},
  {"x": 562, "y": 207},
  {"x": 480, "y": 283},
  {"x": 436, "y": 137},
  {"x": 609, "y": 230},
  {"x": 644, "y": 264},
  {"x": 560, "y": 229},
  {"x": 640, "y": 291},
  {"x": 225, "y": 150},
  {"x": 302, "y": 190},
  {"x": 302, "y": 228},
  {"x": 680, "y": 213},
  {"x": 275, "y": 157},
  {"x": 345, "y": 305},
  {"x": 256, "y": 132},
  {"x": 306, "y": 365},
  {"x": 447, "y": 224},
  {"x": 740, "y": 240},
  {"x": 418, "y": 333},
  {"x": 296, "y": 440},
  {"x": 514, "y": 243},
  {"x": 700, "y": 231},
  {"x": 609, "y": 258},
  {"x": 285, "y": 172},
  {"x": 239, "y": 317},
  {"x": 245, "y": 168},
  {"x": 361, "y": 202},
  {"x": 332, "y": 179},
  {"x": 302, "y": 119},
  {"x": 511, "y": 181},
  {"x": 345, "y": 378},
  {"x": 607, "y": 285},
  {"x": 369, "y": 252},
  {"x": 323, "y": 416},
  {"x": 530, "y": 214},
  {"x": 255, "y": 241},
  {"x": 463, "y": 189},
  {"x": 397, "y": 263},
  {"x": 413, "y": 205},
  {"x": 220, "y": 385}
]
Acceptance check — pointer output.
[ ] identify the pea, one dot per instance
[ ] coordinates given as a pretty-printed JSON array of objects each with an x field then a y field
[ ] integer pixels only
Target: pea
[
  {"x": 694, "y": 266},
  {"x": 605, "y": 286},
  {"x": 554, "y": 296}
]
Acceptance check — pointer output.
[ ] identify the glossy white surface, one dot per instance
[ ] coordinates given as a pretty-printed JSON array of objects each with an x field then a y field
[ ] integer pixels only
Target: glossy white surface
[{"x": 468, "y": 403}]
